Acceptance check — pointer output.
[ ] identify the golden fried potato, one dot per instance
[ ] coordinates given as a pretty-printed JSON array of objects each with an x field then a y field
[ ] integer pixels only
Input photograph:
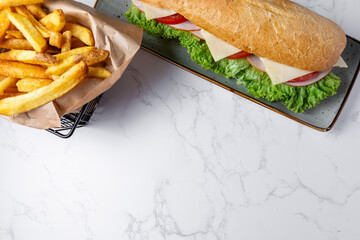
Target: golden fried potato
[
  {"x": 41, "y": 28},
  {"x": 31, "y": 84},
  {"x": 6, "y": 83},
  {"x": 56, "y": 39},
  {"x": 80, "y": 32},
  {"x": 4, "y": 22},
  {"x": 45, "y": 56},
  {"x": 31, "y": 57},
  {"x": 21, "y": 70},
  {"x": 72, "y": 52},
  {"x": 67, "y": 35},
  {"x": 63, "y": 65},
  {"x": 91, "y": 57},
  {"x": 36, "y": 10},
  {"x": 14, "y": 34},
  {"x": 23, "y": 103},
  {"x": 29, "y": 31},
  {"x": 99, "y": 72},
  {"x": 54, "y": 21},
  {"x": 13, "y": 3},
  {"x": 16, "y": 44}
]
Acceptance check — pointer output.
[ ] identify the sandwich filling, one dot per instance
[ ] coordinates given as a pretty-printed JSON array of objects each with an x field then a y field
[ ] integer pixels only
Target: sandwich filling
[{"x": 297, "y": 89}]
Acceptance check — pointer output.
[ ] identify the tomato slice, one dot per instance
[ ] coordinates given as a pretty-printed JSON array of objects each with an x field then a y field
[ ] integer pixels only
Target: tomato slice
[
  {"x": 239, "y": 55},
  {"x": 173, "y": 19},
  {"x": 304, "y": 78}
]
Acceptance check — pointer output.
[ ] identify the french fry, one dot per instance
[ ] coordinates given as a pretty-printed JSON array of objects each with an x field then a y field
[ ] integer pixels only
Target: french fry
[
  {"x": 16, "y": 44},
  {"x": 67, "y": 81},
  {"x": 9, "y": 95},
  {"x": 32, "y": 84},
  {"x": 12, "y": 89},
  {"x": 41, "y": 28},
  {"x": 6, "y": 83},
  {"x": 15, "y": 34},
  {"x": 36, "y": 10},
  {"x": 56, "y": 39},
  {"x": 31, "y": 57},
  {"x": 99, "y": 72},
  {"x": 55, "y": 77},
  {"x": 13, "y": 3},
  {"x": 54, "y": 21},
  {"x": 95, "y": 56},
  {"x": 29, "y": 31},
  {"x": 88, "y": 54},
  {"x": 23, "y": 44},
  {"x": 21, "y": 70},
  {"x": 66, "y": 41},
  {"x": 63, "y": 65},
  {"x": 77, "y": 43},
  {"x": 90, "y": 58},
  {"x": 8, "y": 36},
  {"x": 32, "y": 36},
  {"x": 4, "y": 22},
  {"x": 80, "y": 32},
  {"x": 75, "y": 51}
]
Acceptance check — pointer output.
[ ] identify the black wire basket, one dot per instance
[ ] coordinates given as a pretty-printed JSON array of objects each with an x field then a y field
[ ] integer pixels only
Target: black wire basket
[{"x": 72, "y": 121}]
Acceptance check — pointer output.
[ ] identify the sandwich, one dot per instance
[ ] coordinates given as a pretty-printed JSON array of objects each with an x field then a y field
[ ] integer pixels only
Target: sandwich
[{"x": 279, "y": 50}]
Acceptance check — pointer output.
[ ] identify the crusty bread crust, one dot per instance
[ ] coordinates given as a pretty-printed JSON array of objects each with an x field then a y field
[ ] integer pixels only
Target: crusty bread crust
[{"x": 279, "y": 30}]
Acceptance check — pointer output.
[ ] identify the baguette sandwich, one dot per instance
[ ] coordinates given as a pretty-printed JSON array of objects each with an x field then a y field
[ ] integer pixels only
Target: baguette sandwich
[{"x": 278, "y": 49}]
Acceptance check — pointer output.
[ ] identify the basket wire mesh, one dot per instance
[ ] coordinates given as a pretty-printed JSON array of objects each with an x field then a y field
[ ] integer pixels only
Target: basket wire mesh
[{"x": 72, "y": 121}]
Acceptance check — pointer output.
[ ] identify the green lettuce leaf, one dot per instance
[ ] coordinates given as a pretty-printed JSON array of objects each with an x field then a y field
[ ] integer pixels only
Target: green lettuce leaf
[{"x": 258, "y": 83}]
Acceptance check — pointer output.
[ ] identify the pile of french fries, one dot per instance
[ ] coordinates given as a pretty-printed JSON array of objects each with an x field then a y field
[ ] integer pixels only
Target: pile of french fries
[{"x": 43, "y": 56}]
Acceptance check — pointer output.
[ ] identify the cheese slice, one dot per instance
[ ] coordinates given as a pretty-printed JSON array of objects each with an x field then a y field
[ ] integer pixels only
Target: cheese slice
[
  {"x": 218, "y": 48},
  {"x": 341, "y": 63},
  {"x": 152, "y": 12},
  {"x": 280, "y": 73}
]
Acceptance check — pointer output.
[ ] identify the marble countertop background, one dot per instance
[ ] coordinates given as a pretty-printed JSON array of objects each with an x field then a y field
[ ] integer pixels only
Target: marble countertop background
[{"x": 168, "y": 155}]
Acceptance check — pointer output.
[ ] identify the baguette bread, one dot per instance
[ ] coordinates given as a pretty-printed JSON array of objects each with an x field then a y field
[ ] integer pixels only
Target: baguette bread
[{"x": 280, "y": 30}]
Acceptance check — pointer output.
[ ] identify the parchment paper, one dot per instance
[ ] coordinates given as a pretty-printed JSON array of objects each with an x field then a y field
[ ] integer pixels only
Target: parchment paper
[{"x": 121, "y": 39}]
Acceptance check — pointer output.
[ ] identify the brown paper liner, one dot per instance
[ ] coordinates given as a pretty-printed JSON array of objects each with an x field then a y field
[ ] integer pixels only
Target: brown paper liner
[{"x": 121, "y": 39}]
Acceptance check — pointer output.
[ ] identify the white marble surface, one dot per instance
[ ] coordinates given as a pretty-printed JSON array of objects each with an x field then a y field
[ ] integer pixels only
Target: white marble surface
[{"x": 168, "y": 155}]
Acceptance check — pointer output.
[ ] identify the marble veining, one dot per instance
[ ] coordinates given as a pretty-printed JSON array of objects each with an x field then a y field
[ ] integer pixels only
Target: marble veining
[{"x": 168, "y": 155}]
